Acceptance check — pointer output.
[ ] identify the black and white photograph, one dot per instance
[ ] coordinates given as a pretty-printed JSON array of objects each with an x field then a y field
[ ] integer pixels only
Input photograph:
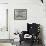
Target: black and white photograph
[{"x": 22, "y": 22}]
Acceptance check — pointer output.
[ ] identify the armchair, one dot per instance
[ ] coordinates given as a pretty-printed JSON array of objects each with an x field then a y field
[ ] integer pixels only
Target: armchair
[{"x": 33, "y": 30}]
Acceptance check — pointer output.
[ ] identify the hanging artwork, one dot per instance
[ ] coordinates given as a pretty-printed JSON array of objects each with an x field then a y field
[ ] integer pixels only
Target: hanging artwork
[{"x": 20, "y": 14}]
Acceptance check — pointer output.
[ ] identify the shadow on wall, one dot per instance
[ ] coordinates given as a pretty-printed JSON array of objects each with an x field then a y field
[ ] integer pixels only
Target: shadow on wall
[{"x": 41, "y": 34}]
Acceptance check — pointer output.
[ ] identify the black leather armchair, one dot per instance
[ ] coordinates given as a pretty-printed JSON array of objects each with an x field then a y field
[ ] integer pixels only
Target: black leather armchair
[{"x": 32, "y": 29}]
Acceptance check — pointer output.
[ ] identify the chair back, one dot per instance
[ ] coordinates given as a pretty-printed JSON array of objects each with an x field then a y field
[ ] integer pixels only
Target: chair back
[{"x": 33, "y": 28}]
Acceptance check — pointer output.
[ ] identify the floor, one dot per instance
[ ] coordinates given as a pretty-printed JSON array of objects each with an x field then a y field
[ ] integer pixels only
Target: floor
[
  {"x": 5, "y": 44},
  {"x": 26, "y": 44},
  {"x": 23, "y": 44}
]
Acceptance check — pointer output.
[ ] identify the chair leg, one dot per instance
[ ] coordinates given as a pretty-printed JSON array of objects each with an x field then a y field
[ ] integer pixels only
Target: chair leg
[
  {"x": 32, "y": 42},
  {"x": 20, "y": 42}
]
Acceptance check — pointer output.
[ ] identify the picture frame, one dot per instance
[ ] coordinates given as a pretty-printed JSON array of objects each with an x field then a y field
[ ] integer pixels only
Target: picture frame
[{"x": 20, "y": 14}]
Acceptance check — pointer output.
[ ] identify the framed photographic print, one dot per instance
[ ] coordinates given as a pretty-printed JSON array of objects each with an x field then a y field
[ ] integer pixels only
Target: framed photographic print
[{"x": 20, "y": 14}]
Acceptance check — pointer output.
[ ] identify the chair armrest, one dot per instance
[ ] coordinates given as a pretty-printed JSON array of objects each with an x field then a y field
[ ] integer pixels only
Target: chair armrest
[
  {"x": 24, "y": 32},
  {"x": 22, "y": 35}
]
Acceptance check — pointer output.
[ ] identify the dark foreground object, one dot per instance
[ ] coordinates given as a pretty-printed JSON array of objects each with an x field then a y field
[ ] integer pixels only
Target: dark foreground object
[{"x": 29, "y": 44}]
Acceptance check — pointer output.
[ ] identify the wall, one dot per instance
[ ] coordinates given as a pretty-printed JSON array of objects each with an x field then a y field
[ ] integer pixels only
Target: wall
[
  {"x": 3, "y": 1},
  {"x": 35, "y": 13},
  {"x": 3, "y": 34},
  {"x": 3, "y": 21}
]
